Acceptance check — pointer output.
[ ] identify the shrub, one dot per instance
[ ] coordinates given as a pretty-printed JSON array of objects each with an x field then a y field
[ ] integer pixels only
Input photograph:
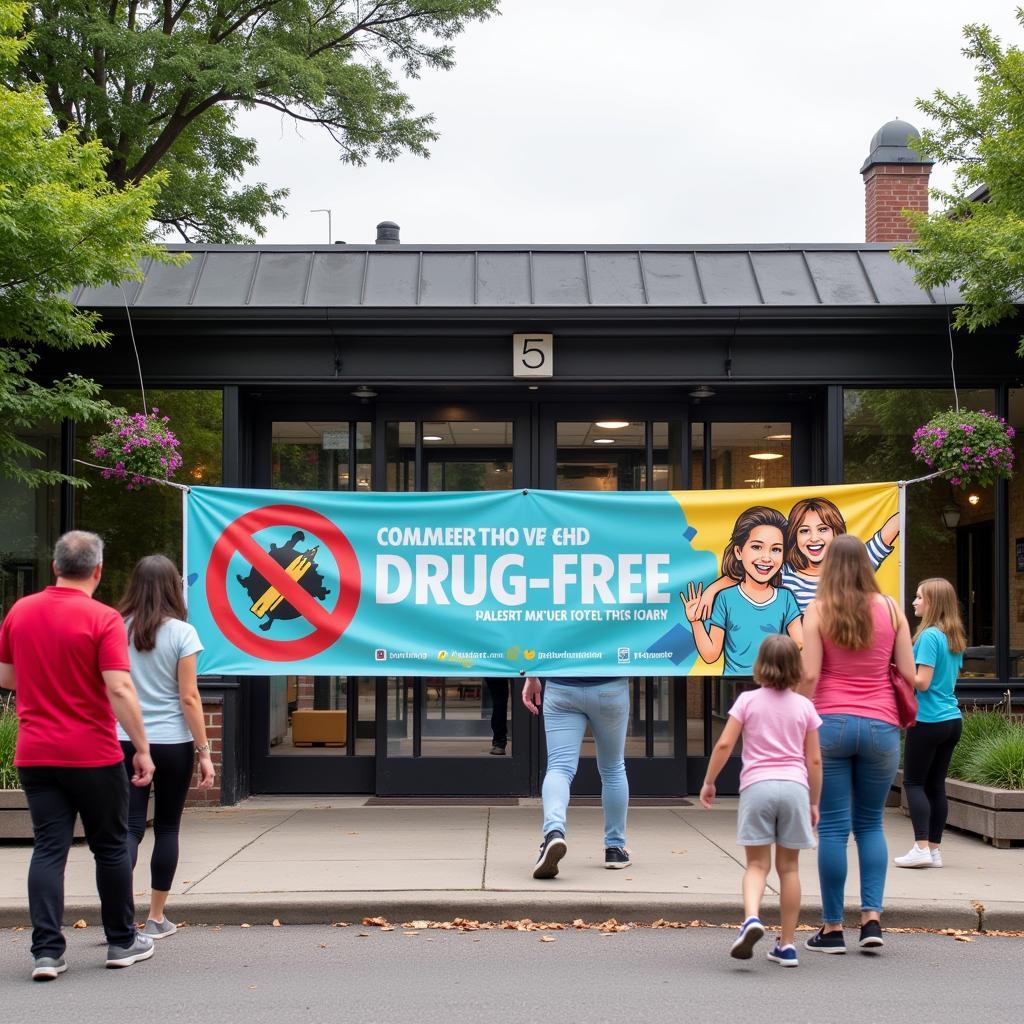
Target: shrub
[
  {"x": 998, "y": 760},
  {"x": 8, "y": 738},
  {"x": 978, "y": 727}
]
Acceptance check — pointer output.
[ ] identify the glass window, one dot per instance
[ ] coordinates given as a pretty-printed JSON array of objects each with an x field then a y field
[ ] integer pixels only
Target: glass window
[
  {"x": 602, "y": 455},
  {"x": 950, "y": 530},
  {"x": 667, "y": 442},
  {"x": 148, "y": 521},
  {"x": 400, "y": 456},
  {"x": 31, "y": 522},
  {"x": 750, "y": 455},
  {"x": 468, "y": 455},
  {"x": 310, "y": 715},
  {"x": 1016, "y": 531}
]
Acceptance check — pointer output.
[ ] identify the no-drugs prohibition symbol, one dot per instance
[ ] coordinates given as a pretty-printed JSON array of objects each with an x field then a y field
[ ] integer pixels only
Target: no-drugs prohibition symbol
[{"x": 238, "y": 536}]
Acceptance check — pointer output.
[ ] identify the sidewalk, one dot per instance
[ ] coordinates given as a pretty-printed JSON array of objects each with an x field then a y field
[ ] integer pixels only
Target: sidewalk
[{"x": 307, "y": 860}]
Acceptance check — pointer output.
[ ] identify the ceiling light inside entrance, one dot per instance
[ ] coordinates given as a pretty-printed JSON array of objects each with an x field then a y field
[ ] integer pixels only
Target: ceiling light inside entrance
[
  {"x": 364, "y": 392},
  {"x": 778, "y": 437},
  {"x": 766, "y": 456},
  {"x": 702, "y": 391},
  {"x": 612, "y": 424},
  {"x": 432, "y": 437},
  {"x": 604, "y": 440}
]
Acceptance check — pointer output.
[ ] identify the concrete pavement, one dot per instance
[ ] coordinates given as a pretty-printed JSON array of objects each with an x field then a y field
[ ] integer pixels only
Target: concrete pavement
[{"x": 308, "y": 860}]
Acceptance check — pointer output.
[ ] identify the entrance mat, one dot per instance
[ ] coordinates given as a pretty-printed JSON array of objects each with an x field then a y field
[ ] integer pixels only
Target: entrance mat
[
  {"x": 442, "y": 801},
  {"x": 634, "y": 801}
]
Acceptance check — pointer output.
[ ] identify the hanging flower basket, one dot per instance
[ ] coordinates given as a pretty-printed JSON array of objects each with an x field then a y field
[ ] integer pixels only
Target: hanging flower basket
[
  {"x": 138, "y": 449},
  {"x": 967, "y": 447}
]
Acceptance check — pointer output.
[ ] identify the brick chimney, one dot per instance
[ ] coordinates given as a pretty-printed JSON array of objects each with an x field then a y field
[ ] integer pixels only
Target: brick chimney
[{"x": 895, "y": 179}]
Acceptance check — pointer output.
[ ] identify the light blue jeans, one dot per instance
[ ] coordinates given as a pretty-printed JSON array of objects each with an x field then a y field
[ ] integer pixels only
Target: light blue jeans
[
  {"x": 859, "y": 760},
  {"x": 568, "y": 710}
]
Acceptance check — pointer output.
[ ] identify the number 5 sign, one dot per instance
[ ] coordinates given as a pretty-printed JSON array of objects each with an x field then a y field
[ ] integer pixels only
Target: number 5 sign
[{"x": 533, "y": 355}]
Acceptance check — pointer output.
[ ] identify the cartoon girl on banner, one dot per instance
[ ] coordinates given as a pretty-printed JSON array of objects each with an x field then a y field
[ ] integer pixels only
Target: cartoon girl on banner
[
  {"x": 753, "y": 605},
  {"x": 811, "y": 525}
]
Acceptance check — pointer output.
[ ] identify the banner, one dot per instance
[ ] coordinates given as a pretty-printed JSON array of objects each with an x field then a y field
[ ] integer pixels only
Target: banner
[{"x": 514, "y": 583}]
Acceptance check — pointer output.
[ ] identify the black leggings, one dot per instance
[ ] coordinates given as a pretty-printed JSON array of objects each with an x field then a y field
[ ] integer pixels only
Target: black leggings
[
  {"x": 170, "y": 784},
  {"x": 926, "y": 759}
]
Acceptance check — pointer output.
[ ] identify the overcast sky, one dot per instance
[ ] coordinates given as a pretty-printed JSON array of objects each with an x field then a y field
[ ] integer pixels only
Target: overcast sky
[{"x": 642, "y": 121}]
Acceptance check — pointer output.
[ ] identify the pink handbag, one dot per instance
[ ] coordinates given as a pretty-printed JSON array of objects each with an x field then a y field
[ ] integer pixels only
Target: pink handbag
[{"x": 906, "y": 696}]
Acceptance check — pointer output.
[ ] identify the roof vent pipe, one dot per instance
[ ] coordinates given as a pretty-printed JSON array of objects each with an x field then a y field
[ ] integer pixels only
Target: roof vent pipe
[{"x": 387, "y": 233}]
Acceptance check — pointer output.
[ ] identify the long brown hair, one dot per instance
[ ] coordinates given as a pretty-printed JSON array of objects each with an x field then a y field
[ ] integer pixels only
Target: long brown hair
[
  {"x": 942, "y": 610},
  {"x": 750, "y": 520},
  {"x": 153, "y": 595},
  {"x": 778, "y": 666},
  {"x": 829, "y": 514},
  {"x": 846, "y": 593}
]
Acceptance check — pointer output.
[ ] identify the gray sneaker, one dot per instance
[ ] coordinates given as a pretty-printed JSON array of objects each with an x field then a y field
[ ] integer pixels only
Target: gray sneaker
[
  {"x": 124, "y": 956},
  {"x": 159, "y": 929},
  {"x": 48, "y": 967}
]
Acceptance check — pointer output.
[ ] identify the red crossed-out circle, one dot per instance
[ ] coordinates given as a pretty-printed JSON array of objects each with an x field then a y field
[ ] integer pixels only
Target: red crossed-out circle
[{"x": 328, "y": 625}]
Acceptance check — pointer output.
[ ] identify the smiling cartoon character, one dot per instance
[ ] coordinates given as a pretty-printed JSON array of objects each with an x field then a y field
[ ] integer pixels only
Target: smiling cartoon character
[
  {"x": 753, "y": 605},
  {"x": 813, "y": 524}
]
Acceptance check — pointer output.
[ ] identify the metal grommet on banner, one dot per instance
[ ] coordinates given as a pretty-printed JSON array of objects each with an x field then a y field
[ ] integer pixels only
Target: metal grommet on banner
[
  {"x": 525, "y": 492},
  {"x": 522, "y": 671}
]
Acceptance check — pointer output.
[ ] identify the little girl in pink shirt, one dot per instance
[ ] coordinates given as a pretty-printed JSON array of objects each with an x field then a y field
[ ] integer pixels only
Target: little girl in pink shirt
[{"x": 780, "y": 785}]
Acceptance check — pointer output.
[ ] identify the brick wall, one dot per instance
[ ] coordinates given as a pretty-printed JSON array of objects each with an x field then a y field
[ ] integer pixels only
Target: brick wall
[
  {"x": 213, "y": 713},
  {"x": 890, "y": 189}
]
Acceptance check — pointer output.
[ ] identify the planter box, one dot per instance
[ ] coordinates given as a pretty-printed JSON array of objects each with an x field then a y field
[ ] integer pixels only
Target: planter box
[
  {"x": 16, "y": 822},
  {"x": 995, "y": 814}
]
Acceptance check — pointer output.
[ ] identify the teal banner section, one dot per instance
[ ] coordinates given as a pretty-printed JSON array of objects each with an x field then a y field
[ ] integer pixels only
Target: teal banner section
[{"x": 507, "y": 583}]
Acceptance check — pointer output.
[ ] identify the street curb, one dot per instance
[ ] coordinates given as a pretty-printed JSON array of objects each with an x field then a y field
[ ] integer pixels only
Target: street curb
[{"x": 318, "y": 908}]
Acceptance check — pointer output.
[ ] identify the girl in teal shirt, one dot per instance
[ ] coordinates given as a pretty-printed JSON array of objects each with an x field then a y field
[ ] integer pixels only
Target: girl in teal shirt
[{"x": 938, "y": 654}]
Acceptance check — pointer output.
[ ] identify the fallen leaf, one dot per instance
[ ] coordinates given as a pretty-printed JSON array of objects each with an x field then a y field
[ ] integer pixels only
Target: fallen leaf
[
  {"x": 410, "y": 933},
  {"x": 375, "y": 921},
  {"x": 245, "y": 926},
  {"x": 80, "y": 923},
  {"x": 340, "y": 924},
  {"x": 629, "y": 878},
  {"x": 419, "y": 924},
  {"x": 362, "y": 935},
  {"x": 323, "y": 945},
  {"x": 547, "y": 938},
  {"x": 962, "y": 938},
  {"x": 275, "y": 923},
  {"x": 387, "y": 928},
  {"x": 352, "y": 833}
]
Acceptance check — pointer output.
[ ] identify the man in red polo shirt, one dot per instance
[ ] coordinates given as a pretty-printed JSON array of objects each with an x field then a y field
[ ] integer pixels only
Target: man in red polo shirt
[{"x": 66, "y": 656}]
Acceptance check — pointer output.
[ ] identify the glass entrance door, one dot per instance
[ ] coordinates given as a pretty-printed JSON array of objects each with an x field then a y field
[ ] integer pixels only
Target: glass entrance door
[
  {"x": 465, "y": 734},
  {"x": 312, "y": 734}
]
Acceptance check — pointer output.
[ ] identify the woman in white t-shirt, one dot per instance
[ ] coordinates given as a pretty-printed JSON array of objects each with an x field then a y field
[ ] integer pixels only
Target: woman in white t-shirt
[{"x": 163, "y": 648}]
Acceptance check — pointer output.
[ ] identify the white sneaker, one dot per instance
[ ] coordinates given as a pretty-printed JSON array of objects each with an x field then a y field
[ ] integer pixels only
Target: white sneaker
[
  {"x": 914, "y": 858},
  {"x": 936, "y": 858}
]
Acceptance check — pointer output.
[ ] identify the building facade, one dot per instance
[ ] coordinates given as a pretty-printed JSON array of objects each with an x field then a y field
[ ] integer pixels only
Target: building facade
[{"x": 401, "y": 367}]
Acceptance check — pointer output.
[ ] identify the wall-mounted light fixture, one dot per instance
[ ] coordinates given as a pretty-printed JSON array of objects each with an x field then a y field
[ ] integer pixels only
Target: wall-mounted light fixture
[
  {"x": 950, "y": 516},
  {"x": 974, "y": 498}
]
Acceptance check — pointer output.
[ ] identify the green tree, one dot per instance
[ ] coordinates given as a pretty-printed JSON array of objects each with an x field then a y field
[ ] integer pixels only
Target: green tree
[
  {"x": 159, "y": 85},
  {"x": 62, "y": 224},
  {"x": 978, "y": 241}
]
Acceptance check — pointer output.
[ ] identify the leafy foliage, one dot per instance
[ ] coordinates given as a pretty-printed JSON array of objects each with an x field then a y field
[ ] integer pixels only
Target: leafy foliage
[
  {"x": 159, "y": 85},
  {"x": 62, "y": 224},
  {"x": 998, "y": 760},
  {"x": 8, "y": 741},
  {"x": 977, "y": 238},
  {"x": 968, "y": 446},
  {"x": 137, "y": 449},
  {"x": 979, "y": 727}
]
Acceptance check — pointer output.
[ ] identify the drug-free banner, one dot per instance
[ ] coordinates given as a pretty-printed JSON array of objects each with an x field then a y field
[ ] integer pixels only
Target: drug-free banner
[{"x": 514, "y": 583}]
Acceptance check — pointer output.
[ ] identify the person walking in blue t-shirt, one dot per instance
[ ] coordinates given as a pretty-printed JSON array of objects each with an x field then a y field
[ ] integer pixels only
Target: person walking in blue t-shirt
[
  {"x": 939, "y": 646},
  {"x": 743, "y": 615}
]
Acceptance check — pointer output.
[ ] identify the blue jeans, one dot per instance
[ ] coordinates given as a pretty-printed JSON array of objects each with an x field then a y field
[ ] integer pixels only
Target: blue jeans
[
  {"x": 567, "y": 712},
  {"x": 859, "y": 760}
]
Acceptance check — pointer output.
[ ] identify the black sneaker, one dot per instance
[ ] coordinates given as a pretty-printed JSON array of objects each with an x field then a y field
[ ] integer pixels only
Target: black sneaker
[
  {"x": 826, "y": 942},
  {"x": 498, "y": 749},
  {"x": 616, "y": 857},
  {"x": 552, "y": 850},
  {"x": 871, "y": 935}
]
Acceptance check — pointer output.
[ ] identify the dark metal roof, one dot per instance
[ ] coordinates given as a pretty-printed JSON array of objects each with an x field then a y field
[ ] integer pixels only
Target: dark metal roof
[
  {"x": 375, "y": 276},
  {"x": 889, "y": 146}
]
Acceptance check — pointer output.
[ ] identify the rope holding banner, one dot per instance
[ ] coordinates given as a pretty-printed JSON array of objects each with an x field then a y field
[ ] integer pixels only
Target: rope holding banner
[
  {"x": 141, "y": 476},
  {"x": 920, "y": 479}
]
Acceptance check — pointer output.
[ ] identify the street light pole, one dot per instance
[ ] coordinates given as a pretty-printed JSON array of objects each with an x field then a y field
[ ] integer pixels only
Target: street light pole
[{"x": 330, "y": 233}]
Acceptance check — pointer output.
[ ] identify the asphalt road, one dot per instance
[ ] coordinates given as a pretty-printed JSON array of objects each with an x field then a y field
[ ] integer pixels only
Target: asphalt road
[{"x": 313, "y": 974}]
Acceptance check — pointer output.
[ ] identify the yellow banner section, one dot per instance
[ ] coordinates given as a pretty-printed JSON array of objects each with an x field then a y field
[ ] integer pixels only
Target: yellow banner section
[{"x": 744, "y": 530}]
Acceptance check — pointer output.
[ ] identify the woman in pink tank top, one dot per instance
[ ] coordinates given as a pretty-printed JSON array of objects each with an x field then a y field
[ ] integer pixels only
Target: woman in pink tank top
[{"x": 849, "y": 643}]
